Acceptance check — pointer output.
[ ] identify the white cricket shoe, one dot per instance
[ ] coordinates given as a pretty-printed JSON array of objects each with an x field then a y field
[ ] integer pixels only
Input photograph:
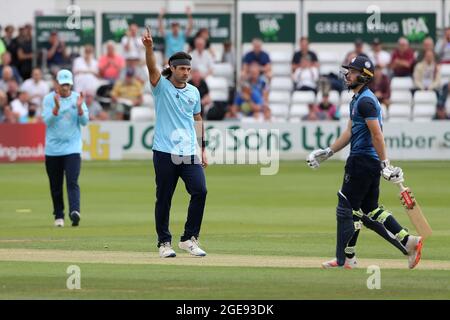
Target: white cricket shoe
[
  {"x": 414, "y": 248},
  {"x": 349, "y": 264},
  {"x": 59, "y": 223},
  {"x": 192, "y": 246},
  {"x": 166, "y": 251}
]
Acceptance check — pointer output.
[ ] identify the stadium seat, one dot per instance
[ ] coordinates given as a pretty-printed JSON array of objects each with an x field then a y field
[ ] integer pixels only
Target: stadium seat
[
  {"x": 344, "y": 112},
  {"x": 298, "y": 110},
  {"x": 281, "y": 84},
  {"x": 224, "y": 70},
  {"x": 346, "y": 97},
  {"x": 281, "y": 69},
  {"x": 280, "y": 57},
  {"x": 333, "y": 97},
  {"x": 217, "y": 83},
  {"x": 424, "y": 104},
  {"x": 399, "y": 111},
  {"x": 303, "y": 97},
  {"x": 329, "y": 57},
  {"x": 329, "y": 68},
  {"x": 148, "y": 100},
  {"x": 282, "y": 97},
  {"x": 219, "y": 95},
  {"x": 142, "y": 114},
  {"x": 279, "y": 110},
  {"x": 401, "y": 83},
  {"x": 445, "y": 72},
  {"x": 400, "y": 96}
]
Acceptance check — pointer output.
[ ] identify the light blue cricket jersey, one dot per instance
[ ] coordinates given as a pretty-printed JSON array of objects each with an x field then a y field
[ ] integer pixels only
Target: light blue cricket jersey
[
  {"x": 175, "y": 109},
  {"x": 174, "y": 44},
  {"x": 63, "y": 133}
]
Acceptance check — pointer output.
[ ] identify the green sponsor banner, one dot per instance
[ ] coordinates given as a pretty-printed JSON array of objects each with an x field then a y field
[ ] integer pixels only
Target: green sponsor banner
[
  {"x": 72, "y": 31},
  {"x": 269, "y": 27},
  {"x": 345, "y": 27},
  {"x": 115, "y": 25}
]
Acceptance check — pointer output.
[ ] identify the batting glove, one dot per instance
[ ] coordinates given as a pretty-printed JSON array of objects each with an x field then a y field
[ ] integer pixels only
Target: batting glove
[
  {"x": 391, "y": 173},
  {"x": 317, "y": 156}
]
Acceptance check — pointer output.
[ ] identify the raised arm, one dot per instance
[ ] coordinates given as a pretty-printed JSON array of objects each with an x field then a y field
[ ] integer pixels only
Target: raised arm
[
  {"x": 190, "y": 22},
  {"x": 150, "y": 58},
  {"x": 162, "y": 30}
]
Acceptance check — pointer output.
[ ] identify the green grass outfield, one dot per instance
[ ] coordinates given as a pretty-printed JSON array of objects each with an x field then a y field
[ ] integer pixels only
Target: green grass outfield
[{"x": 263, "y": 234}]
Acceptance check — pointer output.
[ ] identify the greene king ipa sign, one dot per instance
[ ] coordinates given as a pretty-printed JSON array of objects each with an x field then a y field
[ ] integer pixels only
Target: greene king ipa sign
[
  {"x": 269, "y": 27},
  {"x": 345, "y": 27}
]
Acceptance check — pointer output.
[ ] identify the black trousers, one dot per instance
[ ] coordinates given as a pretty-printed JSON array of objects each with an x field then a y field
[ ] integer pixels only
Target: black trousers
[
  {"x": 57, "y": 167},
  {"x": 167, "y": 171}
]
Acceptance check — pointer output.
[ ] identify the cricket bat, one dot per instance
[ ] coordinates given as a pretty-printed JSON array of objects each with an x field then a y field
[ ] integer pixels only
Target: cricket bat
[{"x": 414, "y": 212}]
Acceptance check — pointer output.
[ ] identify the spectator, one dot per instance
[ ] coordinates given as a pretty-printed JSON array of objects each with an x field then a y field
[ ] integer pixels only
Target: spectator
[
  {"x": 2, "y": 50},
  {"x": 175, "y": 39},
  {"x": 12, "y": 90},
  {"x": 304, "y": 52},
  {"x": 85, "y": 70},
  {"x": 8, "y": 38},
  {"x": 127, "y": 94},
  {"x": 258, "y": 82},
  {"x": 248, "y": 102},
  {"x": 25, "y": 53},
  {"x": 426, "y": 73},
  {"x": 381, "y": 86},
  {"x": 306, "y": 76},
  {"x": 357, "y": 51},
  {"x": 202, "y": 33},
  {"x": 378, "y": 56},
  {"x": 8, "y": 115},
  {"x": 96, "y": 111},
  {"x": 56, "y": 53},
  {"x": 441, "y": 114},
  {"x": 427, "y": 45},
  {"x": 314, "y": 114},
  {"x": 198, "y": 82},
  {"x": 402, "y": 60},
  {"x": 228, "y": 54},
  {"x": 202, "y": 59},
  {"x": 36, "y": 88},
  {"x": 260, "y": 56},
  {"x": 19, "y": 107},
  {"x": 6, "y": 59},
  {"x": 140, "y": 71},
  {"x": 132, "y": 46},
  {"x": 443, "y": 47},
  {"x": 3, "y": 105},
  {"x": 33, "y": 115},
  {"x": 327, "y": 108},
  {"x": 7, "y": 75},
  {"x": 111, "y": 64}
]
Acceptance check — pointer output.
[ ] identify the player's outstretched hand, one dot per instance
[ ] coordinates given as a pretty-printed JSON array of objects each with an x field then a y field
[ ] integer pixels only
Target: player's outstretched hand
[
  {"x": 147, "y": 39},
  {"x": 317, "y": 156},
  {"x": 391, "y": 173}
]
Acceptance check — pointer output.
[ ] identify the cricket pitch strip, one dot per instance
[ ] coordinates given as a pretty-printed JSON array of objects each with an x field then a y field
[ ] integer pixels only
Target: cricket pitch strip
[{"x": 184, "y": 259}]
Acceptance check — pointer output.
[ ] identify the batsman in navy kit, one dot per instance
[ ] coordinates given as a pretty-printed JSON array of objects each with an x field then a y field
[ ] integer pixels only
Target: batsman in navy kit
[{"x": 358, "y": 197}]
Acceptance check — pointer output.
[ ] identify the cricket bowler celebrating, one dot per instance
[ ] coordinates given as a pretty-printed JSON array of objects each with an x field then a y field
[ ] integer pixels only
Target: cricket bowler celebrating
[
  {"x": 358, "y": 197},
  {"x": 177, "y": 106}
]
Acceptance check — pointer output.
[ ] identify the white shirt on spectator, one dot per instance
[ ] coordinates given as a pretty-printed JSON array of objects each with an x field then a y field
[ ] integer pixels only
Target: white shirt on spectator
[
  {"x": 36, "y": 91},
  {"x": 135, "y": 50},
  {"x": 85, "y": 81},
  {"x": 306, "y": 77},
  {"x": 202, "y": 61},
  {"x": 20, "y": 108},
  {"x": 380, "y": 58}
]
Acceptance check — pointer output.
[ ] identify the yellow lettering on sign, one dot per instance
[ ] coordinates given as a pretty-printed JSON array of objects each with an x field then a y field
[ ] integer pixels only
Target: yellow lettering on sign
[{"x": 98, "y": 147}]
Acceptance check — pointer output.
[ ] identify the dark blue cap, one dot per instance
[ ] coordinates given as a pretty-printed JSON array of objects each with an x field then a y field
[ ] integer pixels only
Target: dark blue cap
[{"x": 362, "y": 64}]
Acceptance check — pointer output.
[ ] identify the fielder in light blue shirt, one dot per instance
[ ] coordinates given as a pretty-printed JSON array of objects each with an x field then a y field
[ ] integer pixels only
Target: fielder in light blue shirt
[
  {"x": 64, "y": 113},
  {"x": 177, "y": 106}
]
